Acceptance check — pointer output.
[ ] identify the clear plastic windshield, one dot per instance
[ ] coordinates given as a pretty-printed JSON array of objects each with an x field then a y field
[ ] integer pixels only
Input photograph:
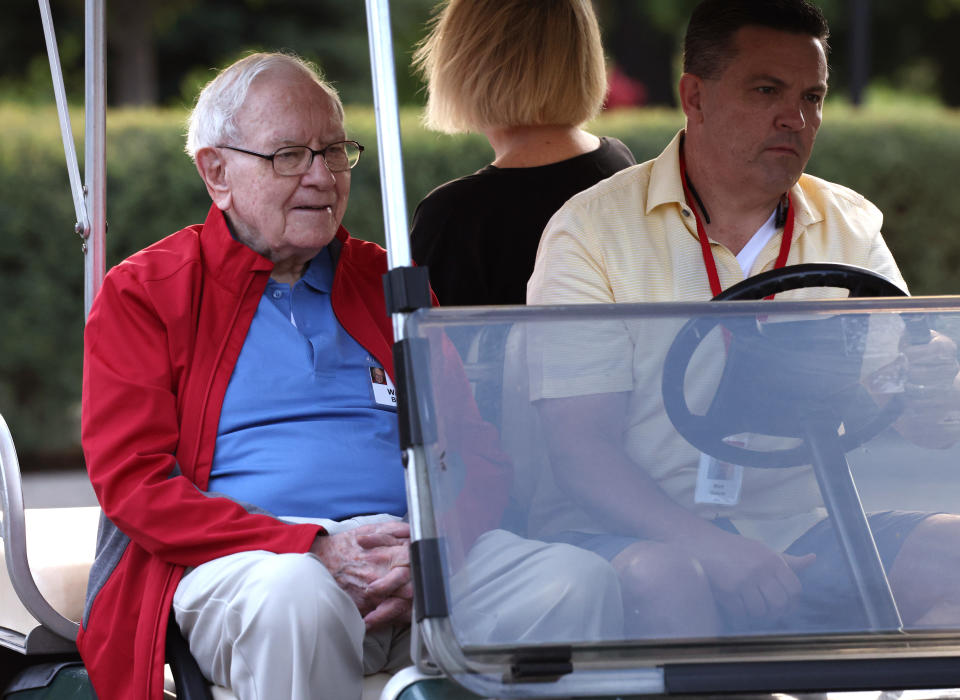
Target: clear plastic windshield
[{"x": 655, "y": 475}]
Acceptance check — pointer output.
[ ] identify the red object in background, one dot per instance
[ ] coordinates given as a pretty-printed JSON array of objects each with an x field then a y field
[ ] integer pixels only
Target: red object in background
[{"x": 623, "y": 91}]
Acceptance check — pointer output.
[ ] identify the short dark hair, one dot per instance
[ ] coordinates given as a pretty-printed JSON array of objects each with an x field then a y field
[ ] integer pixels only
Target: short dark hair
[{"x": 708, "y": 46}]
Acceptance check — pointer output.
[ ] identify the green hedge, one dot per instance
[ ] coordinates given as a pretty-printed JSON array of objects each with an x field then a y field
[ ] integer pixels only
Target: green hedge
[{"x": 902, "y": 160}]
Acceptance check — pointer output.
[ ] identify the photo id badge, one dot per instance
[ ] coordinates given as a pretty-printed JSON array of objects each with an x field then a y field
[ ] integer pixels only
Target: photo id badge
[
  {"x": 384, "y": 393},
  {"x": 718, "y": 482}
]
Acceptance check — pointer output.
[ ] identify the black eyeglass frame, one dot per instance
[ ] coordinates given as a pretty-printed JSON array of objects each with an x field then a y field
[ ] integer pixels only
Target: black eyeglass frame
[{"x": 313, "y": 154}]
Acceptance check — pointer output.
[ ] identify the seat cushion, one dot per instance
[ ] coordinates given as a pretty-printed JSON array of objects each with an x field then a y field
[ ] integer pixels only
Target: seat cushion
[
  {"x": 60, "y": 547},
  {"x": 61, "y": 543}
]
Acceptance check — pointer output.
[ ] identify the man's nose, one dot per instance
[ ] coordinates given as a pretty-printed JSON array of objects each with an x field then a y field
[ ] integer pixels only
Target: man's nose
[
  {"x": 318, "y": 173},
  {"x": 791, "y": 118}
]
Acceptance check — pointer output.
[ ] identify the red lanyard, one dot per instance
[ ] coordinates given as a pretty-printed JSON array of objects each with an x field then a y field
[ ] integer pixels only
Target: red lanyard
[{"x": 708, "y": 260}]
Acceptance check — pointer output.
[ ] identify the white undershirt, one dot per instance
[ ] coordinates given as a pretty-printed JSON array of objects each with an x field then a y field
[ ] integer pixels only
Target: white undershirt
[{"x": 748, "y": 255}]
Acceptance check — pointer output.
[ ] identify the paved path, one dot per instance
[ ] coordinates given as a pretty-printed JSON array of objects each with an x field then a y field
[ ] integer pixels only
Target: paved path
[{"x": 57, "y": 489}]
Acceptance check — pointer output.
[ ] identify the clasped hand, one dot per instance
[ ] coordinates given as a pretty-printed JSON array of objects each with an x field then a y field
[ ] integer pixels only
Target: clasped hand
[
  {"x": 371, "y": 564},
  {"x": 749, "y": 580}
]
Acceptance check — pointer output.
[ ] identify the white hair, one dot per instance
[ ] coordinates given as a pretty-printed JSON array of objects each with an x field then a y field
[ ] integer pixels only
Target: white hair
[{"x": 213, "y": 119}]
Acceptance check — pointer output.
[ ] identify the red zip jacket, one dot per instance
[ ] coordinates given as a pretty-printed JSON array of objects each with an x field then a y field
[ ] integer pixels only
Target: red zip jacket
[{"x": 161, "y": 342}]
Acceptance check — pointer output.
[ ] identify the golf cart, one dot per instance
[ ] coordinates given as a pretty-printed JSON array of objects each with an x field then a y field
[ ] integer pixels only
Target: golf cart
[{"x": 816, "y": 387}]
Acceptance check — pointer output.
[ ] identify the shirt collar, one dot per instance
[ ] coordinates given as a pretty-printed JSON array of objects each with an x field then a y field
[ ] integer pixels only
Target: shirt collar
[
  {"x": 665, "y": 184},
  {"x": 805, "y": 212},
  {"x": 319, "y": 272},
  {"x": 667, "y": 188}
]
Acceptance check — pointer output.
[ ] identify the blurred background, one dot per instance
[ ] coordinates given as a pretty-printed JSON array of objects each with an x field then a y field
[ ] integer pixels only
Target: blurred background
[
  {"x": 160, "y": 53},
  {"x": 891, "y": 131}
]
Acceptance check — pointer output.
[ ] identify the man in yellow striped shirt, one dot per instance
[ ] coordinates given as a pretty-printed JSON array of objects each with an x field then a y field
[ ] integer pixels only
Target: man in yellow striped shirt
[{"x": 726, "y": 200}]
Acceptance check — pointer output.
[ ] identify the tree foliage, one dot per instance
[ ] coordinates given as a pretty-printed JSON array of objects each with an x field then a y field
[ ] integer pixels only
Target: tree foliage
[
  {"x": 912, "y": 43},
  {"x": 162, "y": 51},
  {"x": 902, "y": 161}
]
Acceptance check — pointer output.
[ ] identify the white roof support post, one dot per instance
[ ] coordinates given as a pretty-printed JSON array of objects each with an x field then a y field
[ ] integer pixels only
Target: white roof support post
[
  {"x": 388, "y": 141},
  {"x": 95, "y": 148},
  {"x": 82, "y": 226},
  {"x": 89, "y": 201}
]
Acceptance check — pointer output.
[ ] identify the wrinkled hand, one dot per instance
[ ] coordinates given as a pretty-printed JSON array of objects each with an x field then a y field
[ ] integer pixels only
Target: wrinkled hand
[
  {"x": 371, "y": 564},
  {"x": 748, "y": 578}
]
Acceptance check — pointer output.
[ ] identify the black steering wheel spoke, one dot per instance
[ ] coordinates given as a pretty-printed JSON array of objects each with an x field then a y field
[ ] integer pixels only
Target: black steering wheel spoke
[{"x": 798, "y": 379}]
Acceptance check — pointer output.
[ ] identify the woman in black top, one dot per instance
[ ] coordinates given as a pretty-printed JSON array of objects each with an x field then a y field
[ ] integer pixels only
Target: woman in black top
[{"x": 526, "y": 75}]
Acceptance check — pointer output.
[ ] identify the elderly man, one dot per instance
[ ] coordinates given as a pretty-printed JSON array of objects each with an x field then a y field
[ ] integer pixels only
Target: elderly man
[
  {"x": 242, "y": 445},
  {"x": 727, "y": 199}
]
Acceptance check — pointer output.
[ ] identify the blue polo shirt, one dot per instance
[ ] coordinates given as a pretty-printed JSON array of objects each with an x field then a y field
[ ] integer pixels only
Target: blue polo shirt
[{"x": 301, "y": 432}]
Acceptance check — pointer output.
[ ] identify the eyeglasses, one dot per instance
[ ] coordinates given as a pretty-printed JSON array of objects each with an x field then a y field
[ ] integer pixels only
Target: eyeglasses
[{"x": 296, "y": 160}]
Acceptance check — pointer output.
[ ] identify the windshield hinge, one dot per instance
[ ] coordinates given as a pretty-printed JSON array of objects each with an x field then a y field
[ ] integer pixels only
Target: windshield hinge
[
  {"x": 411, "y": 361},
  {"x": 429, "y": 593},
  {"x": 407, "y": 289},
  {"x": 541, "y": 665}
]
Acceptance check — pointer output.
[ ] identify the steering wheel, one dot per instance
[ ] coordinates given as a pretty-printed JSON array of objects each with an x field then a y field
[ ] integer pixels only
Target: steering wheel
[
  {"x": 780, "y": 376},
  {"x": 860, "y": 282}
]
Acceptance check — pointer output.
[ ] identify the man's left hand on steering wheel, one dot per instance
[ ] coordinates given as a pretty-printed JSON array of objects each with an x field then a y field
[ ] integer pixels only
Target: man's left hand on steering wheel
[{"x": 931, "y": 414}]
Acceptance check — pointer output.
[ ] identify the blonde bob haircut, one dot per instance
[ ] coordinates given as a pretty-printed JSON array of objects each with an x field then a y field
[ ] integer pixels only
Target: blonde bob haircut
[{"x": 501, "y": 63}]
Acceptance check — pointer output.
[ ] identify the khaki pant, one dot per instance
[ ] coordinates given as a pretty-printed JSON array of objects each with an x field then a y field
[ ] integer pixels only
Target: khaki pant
[{"x": 271, "y": 626}]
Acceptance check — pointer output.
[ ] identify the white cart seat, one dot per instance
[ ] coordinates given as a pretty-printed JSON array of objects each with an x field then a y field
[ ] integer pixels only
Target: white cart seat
[{"x": 60, "y": 549}]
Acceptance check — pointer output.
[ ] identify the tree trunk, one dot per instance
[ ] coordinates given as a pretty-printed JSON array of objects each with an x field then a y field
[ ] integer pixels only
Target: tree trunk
[{"x": 133, "y": 57}]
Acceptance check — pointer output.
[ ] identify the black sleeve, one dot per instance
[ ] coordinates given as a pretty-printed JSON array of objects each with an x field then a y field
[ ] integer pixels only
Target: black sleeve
[{"x": 432, "y": 246}]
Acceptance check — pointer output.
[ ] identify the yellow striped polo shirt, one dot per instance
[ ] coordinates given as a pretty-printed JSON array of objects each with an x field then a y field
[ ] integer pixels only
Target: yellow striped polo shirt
[{"x": 632, "y": 238}]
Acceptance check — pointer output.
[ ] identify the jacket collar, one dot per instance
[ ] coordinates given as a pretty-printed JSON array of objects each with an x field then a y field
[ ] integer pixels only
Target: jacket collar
[{"x": 231, "y": 262}]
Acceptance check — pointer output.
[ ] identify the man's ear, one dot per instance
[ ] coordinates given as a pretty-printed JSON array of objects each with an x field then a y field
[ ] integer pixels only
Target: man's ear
[
  {"x": 213, "y": 170},
  {"x": 691, "y": 97}
]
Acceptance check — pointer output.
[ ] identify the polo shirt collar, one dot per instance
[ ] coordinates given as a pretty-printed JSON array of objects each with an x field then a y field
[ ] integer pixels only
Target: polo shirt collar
[
  {"x": 319, "y": 272},
  {"x": 665, "y": 184},
  {"x": 666, "y": 187},
  {"x": 805, "y": 212},
  {"x": 231, "y": 261}
]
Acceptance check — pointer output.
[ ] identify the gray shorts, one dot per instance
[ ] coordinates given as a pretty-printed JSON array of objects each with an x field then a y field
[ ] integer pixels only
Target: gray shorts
[{"x": 829, "y": 601}]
